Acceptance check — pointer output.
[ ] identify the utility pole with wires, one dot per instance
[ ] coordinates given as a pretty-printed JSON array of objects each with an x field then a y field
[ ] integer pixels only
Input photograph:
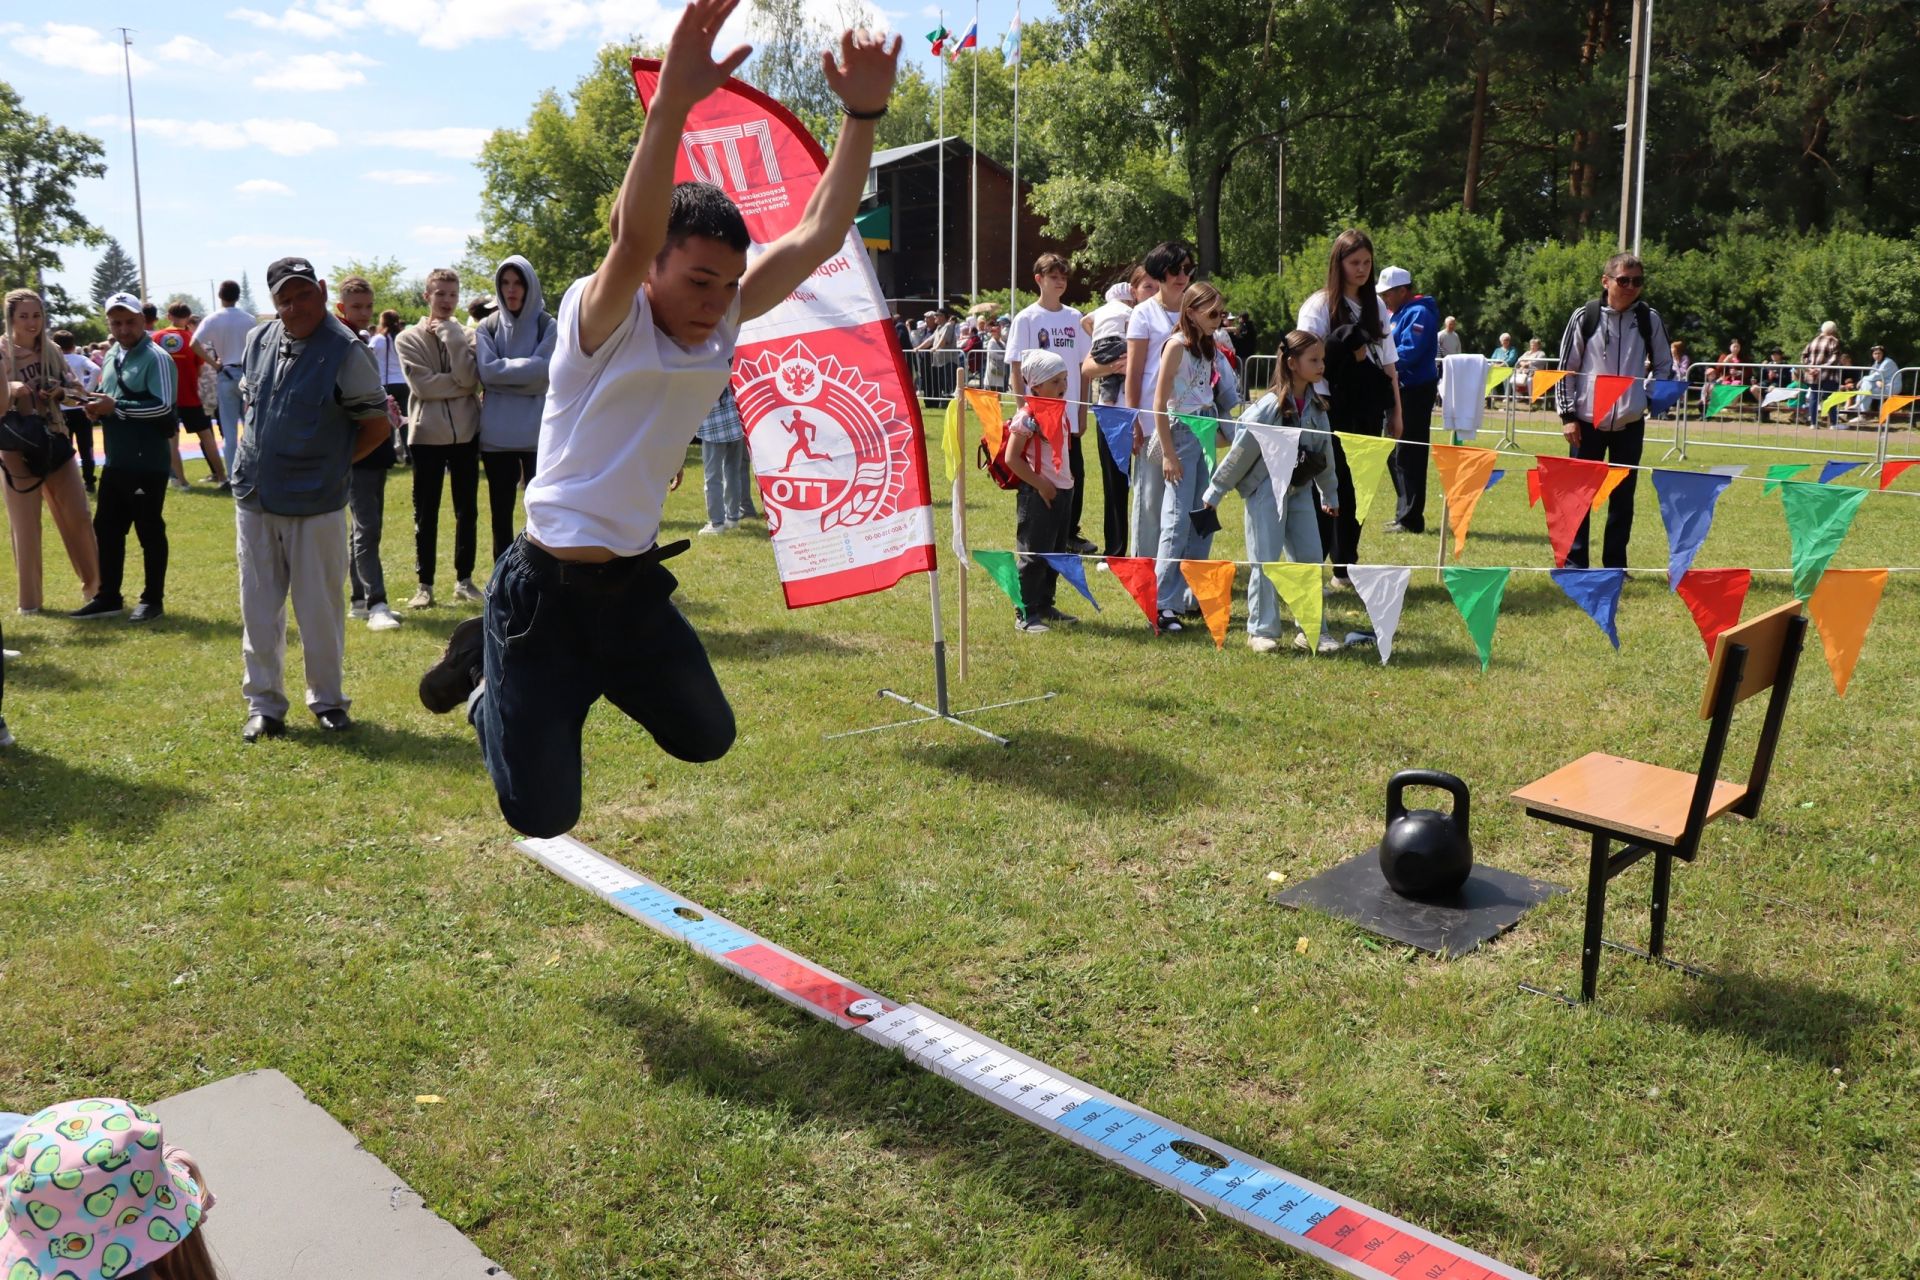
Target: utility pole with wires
[{"x": 133, "y": 133}]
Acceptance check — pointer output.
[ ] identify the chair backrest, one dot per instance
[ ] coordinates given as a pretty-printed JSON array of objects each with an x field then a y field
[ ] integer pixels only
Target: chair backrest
[
  {"x": 1765, "y": 640},
  {"x": 1761, "y": 653}
]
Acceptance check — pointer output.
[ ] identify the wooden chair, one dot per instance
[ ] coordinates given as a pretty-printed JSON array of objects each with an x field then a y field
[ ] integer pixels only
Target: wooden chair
[{"x": 1647, "y": 809}]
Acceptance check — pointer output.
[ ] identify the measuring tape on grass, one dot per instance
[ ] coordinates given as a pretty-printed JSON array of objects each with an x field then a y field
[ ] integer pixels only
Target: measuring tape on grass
[{"x": 1301, "y": 1214}]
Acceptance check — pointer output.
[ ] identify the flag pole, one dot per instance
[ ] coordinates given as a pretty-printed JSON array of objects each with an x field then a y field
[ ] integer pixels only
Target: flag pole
[
  {"x": 973, "y": 219},
  {"x": 940, "y": 232},
  {"x": 1013, "y": 241}
]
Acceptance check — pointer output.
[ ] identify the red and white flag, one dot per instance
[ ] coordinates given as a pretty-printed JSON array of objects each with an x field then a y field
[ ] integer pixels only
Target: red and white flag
[{"x": 833, "y": 424}]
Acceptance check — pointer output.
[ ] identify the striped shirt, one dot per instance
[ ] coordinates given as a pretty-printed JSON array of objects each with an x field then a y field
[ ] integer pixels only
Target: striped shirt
[{"x": 722, "y": 423}]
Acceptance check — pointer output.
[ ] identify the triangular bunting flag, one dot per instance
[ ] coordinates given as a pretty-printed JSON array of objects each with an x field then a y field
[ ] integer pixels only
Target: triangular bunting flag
[
  {"x": 1476, "y": 594},
  {"x": 1729, "y": 469},
  {"x": 1135, "y": 573},
  {"x": 1891, "y": 472},
  {"x": 1607, "y": 390},
  {"x": 1614, "y": 476},
  {"x": 1367, "y": 458},
  {"x": 1714, "y": 598},
  {"x": 1070, "y": 568},
  {"x": 1495, "y": 477},
  {"x": 1005, "y": 572},
  {"x": 985, "y": 405},
  {"x": 1544, "y": 380},
  {"x": 1533, "y": 486},
  {"x": 1839, "y": 397},
  {"x": 1496, "y": 374},
  {"x": 1280, "y": 451},
  {"x": 1463, "y": 478},
  {"x": 1050, "y": 415},
  {"x": 1778, "y": 394},
  {"x": 1116, "y": 427},
  {"x": 1300, "y": 586},
  {"x": 1723, "y": 395},
  {"x": 1567, "y": 489},
  {"x": 950, "y": 439},
  {"x": 1894, "y": 404},
  {"x": 1842, "y": 607},
  {"x": 1383, "y": 590},
  {"x": 1663, "y": 394},
  {"x": 1598, "y": 592},
  {"x": 1212, "y": 583},
  {"x": 1818, "y": 518},
  {"x": 1206, "y": 431},
  {"x": 1687, "y": 500},
  {"x": 1778, "y": 471},
  {"x": 1835, "y": 469}
]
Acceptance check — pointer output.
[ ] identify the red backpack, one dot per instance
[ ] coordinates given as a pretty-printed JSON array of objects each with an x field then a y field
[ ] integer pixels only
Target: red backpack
[{"x": 995, "y": 463}]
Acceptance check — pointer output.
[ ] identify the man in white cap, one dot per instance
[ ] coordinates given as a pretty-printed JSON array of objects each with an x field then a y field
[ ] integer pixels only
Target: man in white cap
[
  {"x": 314, "y": 404},
  {"x": 135, "y": 406},
  {"x": 1416, "y": 340}
]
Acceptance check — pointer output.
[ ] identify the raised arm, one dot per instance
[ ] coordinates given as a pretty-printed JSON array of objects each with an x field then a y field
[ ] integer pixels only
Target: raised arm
[
  {"x": 862, "y": 78},
  {"x": 639, "y": 219}
]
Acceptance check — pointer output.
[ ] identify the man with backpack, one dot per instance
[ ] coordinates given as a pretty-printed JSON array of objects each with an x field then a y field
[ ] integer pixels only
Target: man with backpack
[{"x": 1618, "y": 334}]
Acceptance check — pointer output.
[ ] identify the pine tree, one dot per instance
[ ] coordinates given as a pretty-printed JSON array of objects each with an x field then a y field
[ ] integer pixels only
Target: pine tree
[
  {"x": 246, "y": 295},
  {"x": 115, "y": 273}
]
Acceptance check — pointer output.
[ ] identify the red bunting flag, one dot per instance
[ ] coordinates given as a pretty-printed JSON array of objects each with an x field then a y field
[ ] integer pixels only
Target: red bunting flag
[
  {"x": 1607, "y": 390},
  {"x": 1567, "y": 486},
  {"x": 1891, "y": 472},
  {"x": 1715, "y": 598},
  {"x": 1533, "y": 487},
  {"x": 1135, "y": 573},
  {"x": 1049, "y": 413}
]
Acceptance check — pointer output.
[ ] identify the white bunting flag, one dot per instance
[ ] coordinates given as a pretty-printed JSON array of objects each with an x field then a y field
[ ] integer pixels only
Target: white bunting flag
[{"x": 1383, "y": 589}]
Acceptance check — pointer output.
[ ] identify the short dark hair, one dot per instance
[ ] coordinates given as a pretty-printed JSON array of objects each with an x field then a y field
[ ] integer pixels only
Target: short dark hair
[
  {"x": 150, "y": 312},
  {"x": 1048, "y": 263},
  {"x": 702, "y": 209},
  {"x": 355, "y": 285},
  {"x": 1164, "y": 258},
  {"x": 63, "y": 339},
  {"x": 179, "y": 311},
  {"x": 1620, "y": 261},
  {"x": 229, "y": 292}
]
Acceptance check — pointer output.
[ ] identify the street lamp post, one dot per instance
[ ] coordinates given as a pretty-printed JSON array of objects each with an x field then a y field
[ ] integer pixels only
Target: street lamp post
[{"x": 139, "y": 219}]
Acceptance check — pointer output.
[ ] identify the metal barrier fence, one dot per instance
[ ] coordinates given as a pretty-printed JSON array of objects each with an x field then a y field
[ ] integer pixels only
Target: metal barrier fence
[{"x": 1788, "y": 425}]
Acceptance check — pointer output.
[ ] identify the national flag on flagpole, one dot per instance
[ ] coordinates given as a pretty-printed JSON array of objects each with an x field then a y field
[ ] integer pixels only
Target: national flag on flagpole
[
  {"x": 971, "y": 40},
  {"x": 938, "y": 39},
  {"x": 1010, "y": 43}
]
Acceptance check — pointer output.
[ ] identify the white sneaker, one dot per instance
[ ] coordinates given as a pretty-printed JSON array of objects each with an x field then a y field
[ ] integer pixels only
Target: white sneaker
[
  {"x": 1262, "y": 644},
  {"x": 1033, "y": 628},
  {"x": 6, "y": 735},
  {"x": 381, "y": 618},
  {"x": 1327, "y": 643},
  {"x": 710, "y": 528},
  {"x": 1101, "y": 566},
  {"x": 357, "y": 612},
  {"x": 465, "y": 590},
  {"x": 731, "y": 525},
  {"x": 422, "y": 599}
]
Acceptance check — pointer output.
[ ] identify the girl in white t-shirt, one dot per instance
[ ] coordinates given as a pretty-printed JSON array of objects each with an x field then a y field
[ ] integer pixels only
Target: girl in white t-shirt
[{"x": 1184, "y": 385}]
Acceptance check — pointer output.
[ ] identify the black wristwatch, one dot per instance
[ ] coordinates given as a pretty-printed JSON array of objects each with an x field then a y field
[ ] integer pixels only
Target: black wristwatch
[{"x": 851, "y": 114}]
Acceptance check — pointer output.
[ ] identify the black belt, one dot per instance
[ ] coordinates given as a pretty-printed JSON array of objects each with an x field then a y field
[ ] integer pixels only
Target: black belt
[{"x": 604, "y": 574}]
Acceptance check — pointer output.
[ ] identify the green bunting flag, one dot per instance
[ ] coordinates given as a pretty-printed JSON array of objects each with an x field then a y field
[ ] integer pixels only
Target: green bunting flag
[
  {"x": 1206, "y": 431},
  {"x": 1003, "y": 568},
  {"x": 1782, "y": 471},
  {"x": 1476, "y": 594},
  {"x": 1723, "y": 395},
  {"x": 1818, "y": 517}
]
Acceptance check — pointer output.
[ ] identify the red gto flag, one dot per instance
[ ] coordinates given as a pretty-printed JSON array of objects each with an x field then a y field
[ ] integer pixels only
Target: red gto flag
[{"x": 832, "y": 422}]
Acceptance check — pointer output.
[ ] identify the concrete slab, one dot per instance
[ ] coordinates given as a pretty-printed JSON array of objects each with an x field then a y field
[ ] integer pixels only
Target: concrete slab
[{"x": 298, "y": 1197}]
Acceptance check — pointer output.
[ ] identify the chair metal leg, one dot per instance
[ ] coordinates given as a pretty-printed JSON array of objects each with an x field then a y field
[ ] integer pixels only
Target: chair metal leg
[
  {"x": 1596, "y": 913},
  {"x": 1662, "y": 886}
]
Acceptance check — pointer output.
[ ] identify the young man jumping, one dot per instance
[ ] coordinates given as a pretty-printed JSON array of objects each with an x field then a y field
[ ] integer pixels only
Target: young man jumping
[{"x": 580, "y": 606}]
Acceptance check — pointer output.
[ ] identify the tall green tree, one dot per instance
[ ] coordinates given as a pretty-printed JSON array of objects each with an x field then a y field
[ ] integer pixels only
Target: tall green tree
[
  {"x": 393, "y": 287},
  {"x": 116, "y": 272},
  {"x": 40, "y": 163},
  {"x": 246, "y": 302}
]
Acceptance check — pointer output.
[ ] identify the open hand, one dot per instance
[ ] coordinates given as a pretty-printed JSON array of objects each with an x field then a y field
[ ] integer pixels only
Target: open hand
[
  {"x": 862, "y": 78},
  {"x": 690, "y": 72}
]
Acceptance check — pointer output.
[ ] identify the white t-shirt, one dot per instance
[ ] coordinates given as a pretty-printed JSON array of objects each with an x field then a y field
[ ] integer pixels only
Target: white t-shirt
[
  {"x": 1110, "y": 320},
  {"x": 85, "y": 370},
  {"x": 1314, "y": 319},
  {"x": 617, "y": 426},
  {"x": 1154, "y": 322},
  {"x": 1059, "y": 332},
  {"x": 387, "y": 359},
  {"x": 1060, "y": 472},
  {"x": 225, "y": 334}
]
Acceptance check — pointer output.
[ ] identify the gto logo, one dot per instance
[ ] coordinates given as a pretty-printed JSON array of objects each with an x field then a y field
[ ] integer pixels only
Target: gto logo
[{"x": 717, "y": 157}]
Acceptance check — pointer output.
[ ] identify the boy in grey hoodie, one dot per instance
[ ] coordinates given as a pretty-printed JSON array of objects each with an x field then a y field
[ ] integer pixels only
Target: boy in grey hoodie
[{"x": 513, "y": 347}]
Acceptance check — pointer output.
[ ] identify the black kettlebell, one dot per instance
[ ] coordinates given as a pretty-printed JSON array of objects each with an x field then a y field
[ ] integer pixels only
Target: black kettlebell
[{"x": 1426, "y": 853}]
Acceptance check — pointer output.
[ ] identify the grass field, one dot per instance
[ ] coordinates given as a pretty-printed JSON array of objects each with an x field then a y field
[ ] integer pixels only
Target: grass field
[{"x": 181, "y": 907}]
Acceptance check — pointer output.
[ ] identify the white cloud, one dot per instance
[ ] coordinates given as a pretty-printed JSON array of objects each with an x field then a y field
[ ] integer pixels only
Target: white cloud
[
  {"x": 280, "y": 136},
  {"x": 75, "y": 48},
  {"x": 315, "y": 72},
  {"x": 452, "y": 24},
  {"x": 443, "y": 235},
  {"x": 404, "y": 177},
  {"x": 185, "y": 49},
  {"x": 263, "y": 187},
  {"x": 295, "y": 21},
  {"x": 454, "y": 143}
]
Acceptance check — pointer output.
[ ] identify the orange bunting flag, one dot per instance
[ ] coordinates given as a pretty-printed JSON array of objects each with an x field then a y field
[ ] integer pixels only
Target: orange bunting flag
[
  {"x": 985, "y": 405},
  {"x": 1049, "y": 413},
  {"x": 1533, "y": 487},
  {"x": 1544, "y": 380},
  {"x": 1212, "y": 583},
  {"x": 1894, "y": 404},
  {"x": 1614, "y": 476},
  {"x": 1891, "y": 472},
  {"x": 1842, "y": 607},
  {"x": 1463, "y": 478},
  {"x": 1135, "y": 573},
  {"x": 1567, "y": 489},
  {"x": 1607, "y": 390}
]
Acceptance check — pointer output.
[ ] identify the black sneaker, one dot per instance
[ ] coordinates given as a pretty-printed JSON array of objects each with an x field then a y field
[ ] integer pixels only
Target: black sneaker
[
  {"x": 334, "y": 719},
  {"x": 100, "y": 607},
  {"x": 449, "y": 682},
  {"x": 1051, "y": 614},
  {"x": 1170, "y": 622},
  {"x": 145, "y": 611}
]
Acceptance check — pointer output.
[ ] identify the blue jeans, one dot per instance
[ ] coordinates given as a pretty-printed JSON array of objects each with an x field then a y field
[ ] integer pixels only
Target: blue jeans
[
  {"x": 1178, "y": 541},
  {"x": 1148, "y": 488},
  {"x": 728, "y": 481},
  {"x": 1269, "y": 537},
  {"x": 561, "y": 636},
  {"x": 227, "y": 381}
]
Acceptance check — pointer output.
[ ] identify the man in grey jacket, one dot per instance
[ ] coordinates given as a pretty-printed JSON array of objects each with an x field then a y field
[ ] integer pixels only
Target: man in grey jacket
[
  {"x": 513, "y": 347},
  {"x": 1615, "y": 334}
]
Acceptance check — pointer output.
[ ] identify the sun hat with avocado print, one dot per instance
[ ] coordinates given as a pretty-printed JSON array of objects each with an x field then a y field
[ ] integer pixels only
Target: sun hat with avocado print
[{"x": 91, "y": 1193}]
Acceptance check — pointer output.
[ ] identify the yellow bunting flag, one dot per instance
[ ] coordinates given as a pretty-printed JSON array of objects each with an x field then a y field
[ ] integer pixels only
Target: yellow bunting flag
[
  {"x": 1894, "y": 404},
  {"x": 1842, "y": 607},
  {"x": 1463, "y": 478},
  {"x": 1367, "y": 461},
  {"x": 1614, "y": 476},
  {"x": 950, "y": 439},
  {"x": 1212, "y": 583},
  {"x": 1300, "y": 586},
  {"x": 1545, "y": 379},
  {"x": 1497, "y": 374},
  {"x": 1839, "y": 397},
  {"x": 985, "y": 405}
]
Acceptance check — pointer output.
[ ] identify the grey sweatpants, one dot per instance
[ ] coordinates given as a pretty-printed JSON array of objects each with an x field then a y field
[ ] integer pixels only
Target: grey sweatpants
[
  {"x": 367, "y": 499},
  {"x": 305, "y": 556}
]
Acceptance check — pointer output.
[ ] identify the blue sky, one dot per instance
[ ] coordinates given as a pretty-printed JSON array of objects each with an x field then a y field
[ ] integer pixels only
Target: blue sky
[{"x": 336, "y": 129}]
